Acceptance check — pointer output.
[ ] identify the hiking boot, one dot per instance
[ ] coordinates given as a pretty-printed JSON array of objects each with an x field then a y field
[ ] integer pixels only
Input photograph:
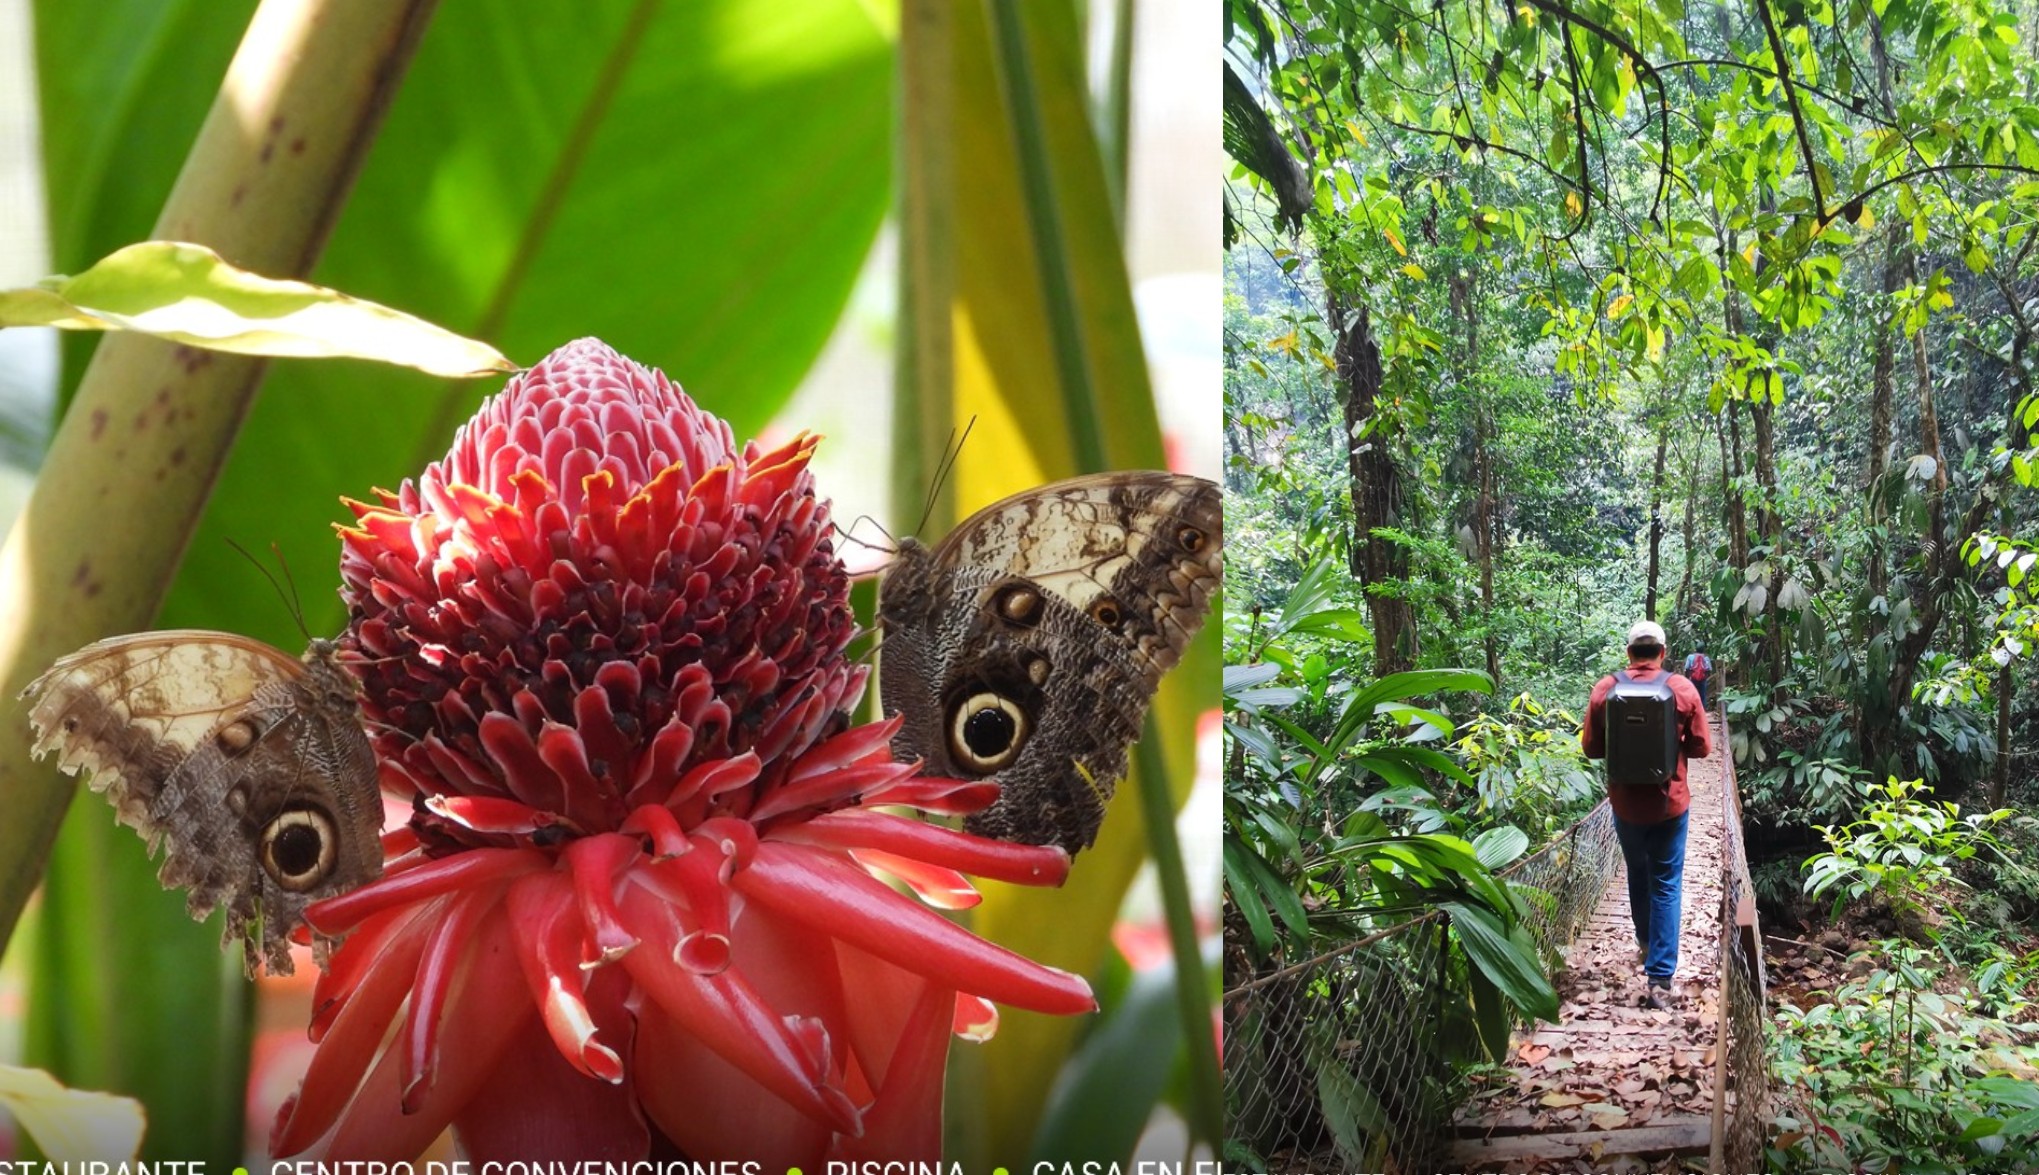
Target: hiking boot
[{"x": 1658, "y": 997}]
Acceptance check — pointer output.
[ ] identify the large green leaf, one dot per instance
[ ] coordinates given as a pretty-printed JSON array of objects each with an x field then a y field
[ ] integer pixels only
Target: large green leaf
[
  {"x": 1513, "y": 970},
  {"x": 696, "y": 184},
  {"x": 1100, "y": 1103}
]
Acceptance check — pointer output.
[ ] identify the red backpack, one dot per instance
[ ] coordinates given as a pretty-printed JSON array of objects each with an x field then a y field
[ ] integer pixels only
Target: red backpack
[{"x": 1695, "y": 668}]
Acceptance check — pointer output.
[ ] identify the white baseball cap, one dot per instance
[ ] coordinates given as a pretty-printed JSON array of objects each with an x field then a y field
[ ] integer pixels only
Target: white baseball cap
[{"x": 1647, "y": 632}]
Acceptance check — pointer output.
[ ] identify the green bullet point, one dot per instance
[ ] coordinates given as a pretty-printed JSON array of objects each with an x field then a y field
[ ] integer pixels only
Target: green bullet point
[
  {"x": 240, "y": 1171},
  {"x": 1000, "y": 1171},
  {"x": 792, "y": 1171}
]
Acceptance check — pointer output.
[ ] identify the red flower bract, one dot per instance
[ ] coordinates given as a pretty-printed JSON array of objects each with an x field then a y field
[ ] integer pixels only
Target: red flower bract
[{"x": 634, "y": 910}]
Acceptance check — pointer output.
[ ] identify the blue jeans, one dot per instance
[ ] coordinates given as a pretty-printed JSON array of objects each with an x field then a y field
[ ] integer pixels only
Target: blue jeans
[{"x": 1655, "y": 854}]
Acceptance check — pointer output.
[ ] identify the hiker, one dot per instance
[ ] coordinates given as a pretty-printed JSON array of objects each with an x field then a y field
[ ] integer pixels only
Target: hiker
[
  {"x": 1698, "y": 669},
  {"x": 1658, "y": 724}
]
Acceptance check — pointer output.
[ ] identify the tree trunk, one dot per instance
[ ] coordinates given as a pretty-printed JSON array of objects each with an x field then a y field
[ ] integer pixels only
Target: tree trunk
[
  {"x": 2000, "y": 779},
  {"x": 1380, "y": 566},
  {"x": 1737, "y": 509},
  {"x": 1881, "y": 383},
  {"x": 1657, "y": 517},
  {"x": 1770, "y": 526},
  {"x": 1691, "y": 511},
  {"x": 1465, "y": 302},
  {"x": 1487, "y": 535}
]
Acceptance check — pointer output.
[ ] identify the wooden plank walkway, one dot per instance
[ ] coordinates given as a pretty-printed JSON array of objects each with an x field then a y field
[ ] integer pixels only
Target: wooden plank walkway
[{"x": 1614, "y": 1086}]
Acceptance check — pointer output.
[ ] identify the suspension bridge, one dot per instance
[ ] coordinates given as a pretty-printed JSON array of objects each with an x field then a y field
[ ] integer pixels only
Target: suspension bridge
[{"x": 1354, "y": 1060}]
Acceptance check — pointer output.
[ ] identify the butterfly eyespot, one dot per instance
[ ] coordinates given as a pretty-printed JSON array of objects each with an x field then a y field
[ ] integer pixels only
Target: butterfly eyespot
[
  {"x": 1019, "y": 604},
  {"x": 986, "y": 732},
  {"x": 1105, "y": 611},
  {"x": 235, "y": 737},
  {"x": 299, "y": 849},
  {"x": 1191, "y": 538}
]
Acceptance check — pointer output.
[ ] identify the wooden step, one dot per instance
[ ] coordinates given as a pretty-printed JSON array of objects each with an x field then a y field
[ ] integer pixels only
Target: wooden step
[{"x": 1685, "y": 1135}]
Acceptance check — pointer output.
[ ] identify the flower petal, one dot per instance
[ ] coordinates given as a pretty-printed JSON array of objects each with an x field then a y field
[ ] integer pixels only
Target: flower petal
[
  {"x": 728, "y": 1016},
  {"x": 347, "y": 1049},
  {"x": 461, "y": 871},
  {"x": 978, "y": 856},
  {"x": 715, "y": 1111},
  {"x": 598, "y": 863},
  {"x": 449, "y": 938},
  {"x": 904, "y": 1124},
  {"x": 546, "y": 920},
  {"x": 533, "y": 1108},
  {"x": 482, "y": 1017},
  {"x": 817, "y": 889}
]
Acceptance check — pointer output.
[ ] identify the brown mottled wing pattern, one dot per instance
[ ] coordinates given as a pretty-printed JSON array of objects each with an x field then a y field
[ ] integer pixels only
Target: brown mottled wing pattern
[
  {"x": 1064, "y": 606},
  {"x": 202, "y": 741}
]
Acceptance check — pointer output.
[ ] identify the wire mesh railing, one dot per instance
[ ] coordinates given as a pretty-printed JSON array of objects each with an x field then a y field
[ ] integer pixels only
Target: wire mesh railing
[
  {"x": 1742, "y": 1063},
  {"x": 1351, "y": 1059}
]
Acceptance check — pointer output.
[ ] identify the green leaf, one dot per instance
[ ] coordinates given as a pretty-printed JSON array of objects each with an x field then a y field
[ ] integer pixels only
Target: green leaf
[
  {"x": 1514, "y": 971},
  {"x": 1498, "y": 846},
  {"x": 187, "y": 293},
  {"x": 1111, "y": 1084},
  {"x": 1490, "y": 1013},
  {"x": 1346, "y": 623},
  {"x": 1242, "y": 890}
]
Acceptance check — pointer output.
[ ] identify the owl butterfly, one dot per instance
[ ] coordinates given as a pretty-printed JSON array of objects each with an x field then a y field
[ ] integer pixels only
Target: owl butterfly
[
  {"x": 1026, "y": 645},
  {"x": 249, "y": 765}
]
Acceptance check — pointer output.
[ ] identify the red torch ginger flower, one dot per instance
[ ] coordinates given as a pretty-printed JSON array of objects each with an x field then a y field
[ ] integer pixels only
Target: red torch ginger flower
[{"x": 634, "y": 911}]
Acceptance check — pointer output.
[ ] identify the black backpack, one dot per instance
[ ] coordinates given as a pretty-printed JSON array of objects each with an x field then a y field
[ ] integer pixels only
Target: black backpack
[{"x": 1642, "y": 731}]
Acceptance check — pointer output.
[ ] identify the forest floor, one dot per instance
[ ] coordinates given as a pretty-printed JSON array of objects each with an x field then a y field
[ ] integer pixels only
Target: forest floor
[{"x": 1614, "y": 1086}]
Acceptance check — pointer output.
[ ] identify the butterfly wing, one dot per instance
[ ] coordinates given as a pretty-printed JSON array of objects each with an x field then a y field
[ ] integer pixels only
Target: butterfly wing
[
  {"x": 1027, "y": 644},
  {"x": 246, "y": 764}
]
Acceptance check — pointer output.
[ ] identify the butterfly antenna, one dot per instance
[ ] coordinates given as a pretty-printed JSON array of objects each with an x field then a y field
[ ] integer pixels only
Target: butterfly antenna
[
  {"x": 296, "y": 601},
  {"x": 850, "y": 535},
  {"x": 289, "y": 598},
  {"x": 950, "y": 454}
]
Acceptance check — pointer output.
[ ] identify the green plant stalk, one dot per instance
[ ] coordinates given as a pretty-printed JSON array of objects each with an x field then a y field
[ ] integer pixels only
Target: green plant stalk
[
  {"x": 1115, "y": 113},
  {"x": 1044, "y": 218},
  {"x": 130, "y": 469},
  {"x": 1157, "y": 804},
  {"x": 924, "y": 381}
]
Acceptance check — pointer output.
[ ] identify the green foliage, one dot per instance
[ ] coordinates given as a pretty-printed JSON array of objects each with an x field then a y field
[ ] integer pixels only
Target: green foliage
[
  {"x": 1902, "y": 849},
  {"x": 1893, "y": 1074},
  {"x": 1529, "y": 767}
]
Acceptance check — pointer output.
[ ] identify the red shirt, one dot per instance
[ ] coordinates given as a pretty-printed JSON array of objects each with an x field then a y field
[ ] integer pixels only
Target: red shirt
[{"x": 1651, "y": 805}]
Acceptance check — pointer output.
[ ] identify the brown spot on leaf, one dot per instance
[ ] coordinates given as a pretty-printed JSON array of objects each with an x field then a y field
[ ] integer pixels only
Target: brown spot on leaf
[
  {"x": 98, "y": 422},
  {"x": 177, "y": 455},
  {"x": 83, "y": 573},
  {"x": 297, "y": 145}
]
